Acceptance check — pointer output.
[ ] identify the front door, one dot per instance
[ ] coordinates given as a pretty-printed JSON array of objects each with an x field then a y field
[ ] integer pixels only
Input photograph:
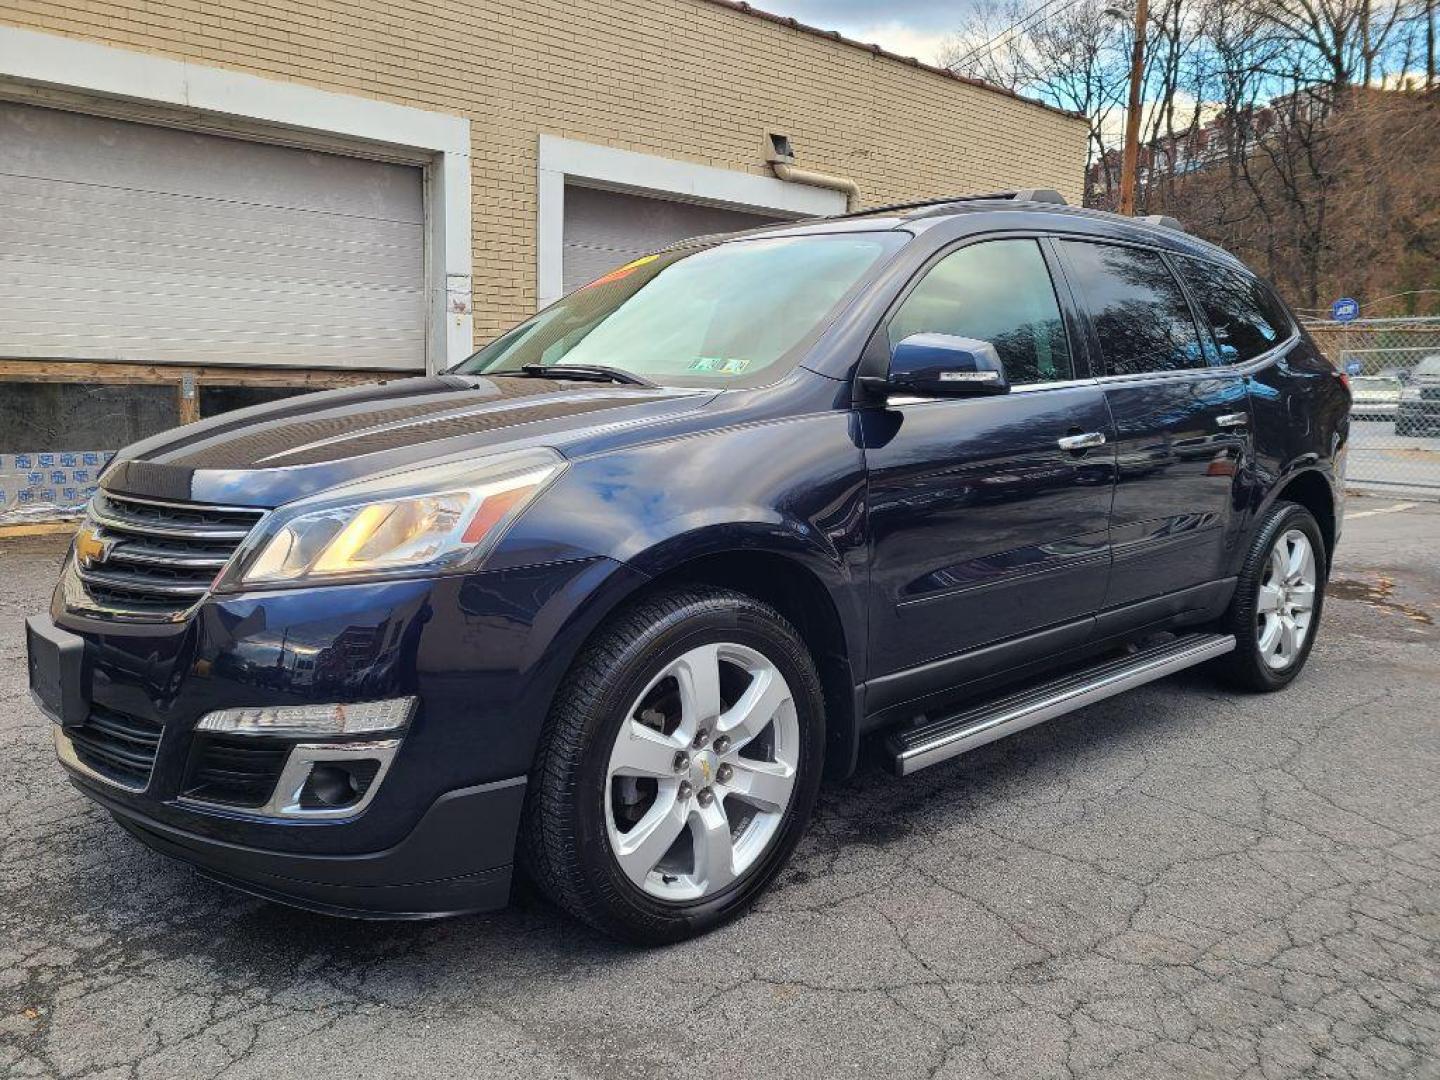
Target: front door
[
  {"x": 989, "y": 535},
  {"x": 1181, "y": 425}
]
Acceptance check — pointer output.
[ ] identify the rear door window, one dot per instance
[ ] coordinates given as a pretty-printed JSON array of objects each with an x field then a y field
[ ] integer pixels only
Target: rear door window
[
  {"x": 1244, "y": 316},
  {"x": 999, "y": 291},
  {"x": 1141, "y": 317}
]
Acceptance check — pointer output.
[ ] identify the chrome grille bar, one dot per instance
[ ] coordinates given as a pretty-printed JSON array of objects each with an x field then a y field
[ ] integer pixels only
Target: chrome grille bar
[
  {"x": 140, "y": 584},
  {"x": 150, "y": 559},
  {"x": 136, "y": 553},
  {"x": 121, "y": 515}
]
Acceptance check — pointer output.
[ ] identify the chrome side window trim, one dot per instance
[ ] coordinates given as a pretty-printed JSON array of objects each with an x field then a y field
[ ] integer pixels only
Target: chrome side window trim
[
  {"x": 1246, "y": 367},
  {"x": 900, "y": 402},
  {"x": 1057, "y": 384}
]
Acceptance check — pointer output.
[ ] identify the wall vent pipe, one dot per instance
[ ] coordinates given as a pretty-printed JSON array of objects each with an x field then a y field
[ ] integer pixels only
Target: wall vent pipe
[{"x": 782, "y": 162}]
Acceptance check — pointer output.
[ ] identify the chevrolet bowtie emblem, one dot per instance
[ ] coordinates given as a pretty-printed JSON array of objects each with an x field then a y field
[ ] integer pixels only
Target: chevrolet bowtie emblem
[{"x": 91, "y": 548}]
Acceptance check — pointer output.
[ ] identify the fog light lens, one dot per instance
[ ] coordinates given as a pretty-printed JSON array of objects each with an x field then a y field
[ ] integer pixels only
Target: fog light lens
[
  {"x": 305, "y": 721},
  {"x": 336, "y": 784}
]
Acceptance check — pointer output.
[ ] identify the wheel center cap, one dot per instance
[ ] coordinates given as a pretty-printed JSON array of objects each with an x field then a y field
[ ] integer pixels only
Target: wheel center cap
[{"x": 703, "y": 764}]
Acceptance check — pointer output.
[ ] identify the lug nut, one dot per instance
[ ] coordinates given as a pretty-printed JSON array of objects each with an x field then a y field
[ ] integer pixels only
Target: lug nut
[
  {"x": 724, "y": 773},
  {"x": 706, "y": 796},
  {"x": 701, "y": 738},
  {"x": 682, "y": 761},
  {"x": 685, "y": 790},
  {"x": 722, "y": 744}
]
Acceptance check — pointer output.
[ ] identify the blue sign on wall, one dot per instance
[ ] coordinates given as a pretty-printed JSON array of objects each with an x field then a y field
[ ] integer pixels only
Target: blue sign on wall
[{"x": 1345, "y": 309}]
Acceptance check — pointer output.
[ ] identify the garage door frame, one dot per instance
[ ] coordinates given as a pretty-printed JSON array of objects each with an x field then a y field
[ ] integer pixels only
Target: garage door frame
[
  {"x": 66, "y": 73},
  {"x": 567, "y": 161}
]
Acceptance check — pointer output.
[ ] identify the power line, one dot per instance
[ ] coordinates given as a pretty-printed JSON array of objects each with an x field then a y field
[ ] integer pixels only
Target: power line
[{"x": 1022, "y": 22}]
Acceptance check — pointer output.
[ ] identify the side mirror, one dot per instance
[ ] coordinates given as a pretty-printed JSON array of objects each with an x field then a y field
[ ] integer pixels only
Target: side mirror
[{"x": 943, "y": 365}]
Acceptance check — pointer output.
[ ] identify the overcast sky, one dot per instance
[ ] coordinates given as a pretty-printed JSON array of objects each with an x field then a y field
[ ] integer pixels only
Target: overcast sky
[{"x": 909, "y": 27}]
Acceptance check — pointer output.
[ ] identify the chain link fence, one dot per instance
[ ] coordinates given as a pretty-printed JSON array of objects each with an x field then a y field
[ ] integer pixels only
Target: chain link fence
[{"x": 1394, "y": 369}]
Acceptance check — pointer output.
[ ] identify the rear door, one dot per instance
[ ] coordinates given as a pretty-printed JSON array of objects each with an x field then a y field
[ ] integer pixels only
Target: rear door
[
  {"x": 1181, "y": 426},
  {"x": 989, "y": 538}
]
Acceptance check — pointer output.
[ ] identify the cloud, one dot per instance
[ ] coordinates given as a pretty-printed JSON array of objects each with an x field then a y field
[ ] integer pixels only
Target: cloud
[
  {"x": 898, "y": 38},
  {"x": 925, "y": 16},
  {"x": 915, "y": 28}
]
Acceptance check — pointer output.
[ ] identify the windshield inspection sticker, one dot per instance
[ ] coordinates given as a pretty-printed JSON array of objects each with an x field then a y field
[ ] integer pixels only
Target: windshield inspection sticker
[
  {"x": 733, "y": 365},
  {"x": 622, "y": 271}
]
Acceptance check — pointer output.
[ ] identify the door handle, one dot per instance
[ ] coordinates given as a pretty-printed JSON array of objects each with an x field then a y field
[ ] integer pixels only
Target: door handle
[
  {"x": 1232, "y": 420},
  {"x": 1082, "y": 442}
]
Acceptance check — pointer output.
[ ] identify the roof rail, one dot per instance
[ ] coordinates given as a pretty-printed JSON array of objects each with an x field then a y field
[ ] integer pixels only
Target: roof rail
[
  {"x": 1165, "y": 221},
  {"x": 1037, "y": 195}
]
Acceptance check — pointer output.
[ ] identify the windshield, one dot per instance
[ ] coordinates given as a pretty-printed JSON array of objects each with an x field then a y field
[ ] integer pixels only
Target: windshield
[{"x": 728, "y": 314}]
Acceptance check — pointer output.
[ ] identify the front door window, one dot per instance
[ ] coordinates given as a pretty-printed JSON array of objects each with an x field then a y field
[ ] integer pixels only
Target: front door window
[{"x": 998, "y": 291}]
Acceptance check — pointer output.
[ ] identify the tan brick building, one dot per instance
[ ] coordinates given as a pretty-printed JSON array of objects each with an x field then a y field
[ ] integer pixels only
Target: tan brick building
[{"x": 211, "y": 194}]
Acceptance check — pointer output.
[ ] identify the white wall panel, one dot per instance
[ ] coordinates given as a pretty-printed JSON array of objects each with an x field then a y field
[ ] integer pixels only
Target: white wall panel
[
  {"x": 125, "y": 241},
  {"x": 606, "y": 229}
]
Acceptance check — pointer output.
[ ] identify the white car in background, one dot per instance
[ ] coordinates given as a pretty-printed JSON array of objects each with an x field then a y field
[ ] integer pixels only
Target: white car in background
[
  {"x": 1376, "y": 397},
  {"x": 1417, "y": 412}
]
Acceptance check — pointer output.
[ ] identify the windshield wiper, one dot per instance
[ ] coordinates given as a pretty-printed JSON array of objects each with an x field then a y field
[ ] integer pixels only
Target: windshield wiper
[{"x": 583, "y": 372}]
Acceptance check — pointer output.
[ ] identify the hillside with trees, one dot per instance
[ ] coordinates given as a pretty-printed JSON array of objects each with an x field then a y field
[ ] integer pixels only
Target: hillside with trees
[{"x": 1302, "y": 134}]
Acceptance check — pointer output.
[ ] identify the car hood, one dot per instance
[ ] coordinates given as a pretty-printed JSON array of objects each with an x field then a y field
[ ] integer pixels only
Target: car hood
[{"x": 271, "y": 454}]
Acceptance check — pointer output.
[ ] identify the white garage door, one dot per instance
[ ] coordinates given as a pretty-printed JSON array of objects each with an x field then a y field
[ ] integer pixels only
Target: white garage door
[
  {"x": 124, "y": 241},
  {"x": 606, "y": 229}
]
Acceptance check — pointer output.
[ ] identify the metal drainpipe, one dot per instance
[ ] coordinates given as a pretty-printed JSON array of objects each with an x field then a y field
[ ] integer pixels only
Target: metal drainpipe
[{"x": 787, "y": 172}]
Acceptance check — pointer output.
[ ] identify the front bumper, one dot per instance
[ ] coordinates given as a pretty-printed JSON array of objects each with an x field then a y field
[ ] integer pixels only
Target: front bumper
[
  {"x": 466, "y": 837},
  {"x": 481, "y": 653}
]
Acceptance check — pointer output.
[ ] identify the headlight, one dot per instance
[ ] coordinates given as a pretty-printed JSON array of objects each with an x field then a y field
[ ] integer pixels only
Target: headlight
[{"x": 434, "y": 518}]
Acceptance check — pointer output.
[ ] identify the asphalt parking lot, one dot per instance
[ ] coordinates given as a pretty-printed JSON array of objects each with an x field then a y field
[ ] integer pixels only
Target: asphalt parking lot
[{"x": 1178, "y": 882}]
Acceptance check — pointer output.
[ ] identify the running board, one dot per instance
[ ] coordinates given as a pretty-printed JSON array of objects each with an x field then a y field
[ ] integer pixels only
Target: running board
[{"x": 933, "y": 741}]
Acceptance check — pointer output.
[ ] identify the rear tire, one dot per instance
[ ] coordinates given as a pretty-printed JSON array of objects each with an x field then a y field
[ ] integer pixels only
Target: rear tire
[
  {"x": 678, "y": 767},
  {"x": 1275, "y": 612}
]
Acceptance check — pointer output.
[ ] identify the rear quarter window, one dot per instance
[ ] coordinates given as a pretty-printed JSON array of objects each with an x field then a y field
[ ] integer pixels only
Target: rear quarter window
[{"x": 1243, "y": 314}]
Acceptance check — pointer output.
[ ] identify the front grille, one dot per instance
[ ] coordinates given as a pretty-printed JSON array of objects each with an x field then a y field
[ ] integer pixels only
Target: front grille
[
  {"x": 145, "y": 558},
  {"x": 235, "y": 771},
  {"x": 119, "y": 747}
]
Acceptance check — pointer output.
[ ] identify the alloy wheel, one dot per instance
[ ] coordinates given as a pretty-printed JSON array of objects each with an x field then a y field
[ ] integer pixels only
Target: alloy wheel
[
  {"x": 1286, "y": 604},
  {"x": 702, "y": 771}
]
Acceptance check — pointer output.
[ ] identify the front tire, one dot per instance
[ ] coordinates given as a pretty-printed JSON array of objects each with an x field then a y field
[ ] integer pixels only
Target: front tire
[
  {"x": 678, "y": 767},
  {"x": 1275, "y": 611}
]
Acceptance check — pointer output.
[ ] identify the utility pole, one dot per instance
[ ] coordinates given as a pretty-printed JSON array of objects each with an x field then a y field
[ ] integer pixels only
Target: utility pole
[
  {"x": 1429, "y": 44},
  {"x": 1131, "y": 158}
]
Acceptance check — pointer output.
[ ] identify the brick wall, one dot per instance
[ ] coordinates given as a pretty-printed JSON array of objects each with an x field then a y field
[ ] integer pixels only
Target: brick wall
[{"x": 687, "y": 79}]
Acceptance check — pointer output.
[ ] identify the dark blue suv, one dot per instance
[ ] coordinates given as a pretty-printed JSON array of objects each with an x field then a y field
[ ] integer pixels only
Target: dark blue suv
[{"x": 609, "y": 598}]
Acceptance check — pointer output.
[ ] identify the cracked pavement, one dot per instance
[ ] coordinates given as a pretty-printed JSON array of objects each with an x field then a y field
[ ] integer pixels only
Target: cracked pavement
[{"x": 1180, "y": 882}]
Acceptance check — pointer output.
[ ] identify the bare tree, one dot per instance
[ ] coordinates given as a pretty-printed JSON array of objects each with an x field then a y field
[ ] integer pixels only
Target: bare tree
[
  {"x": 1075, "y": 58},
  {"x": 1347, "y": 38},
  {"x": 1174, "y": 75},
  {"x": 1286, "y": 130}
]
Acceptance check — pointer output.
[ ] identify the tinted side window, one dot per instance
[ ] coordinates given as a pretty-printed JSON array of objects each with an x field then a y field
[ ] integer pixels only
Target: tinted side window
[
  {"x": 1140, "y": 314},
  {"x": 1245, "y": 319},
  {"x": 1276, "y": 313},
  {"x": 999, "y": 291}
]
